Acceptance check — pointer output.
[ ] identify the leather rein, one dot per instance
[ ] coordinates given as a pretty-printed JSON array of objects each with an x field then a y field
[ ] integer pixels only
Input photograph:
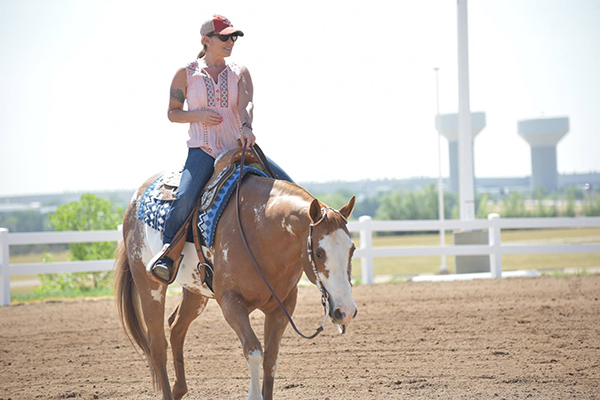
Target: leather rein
[{"x": 324, "y": 293}]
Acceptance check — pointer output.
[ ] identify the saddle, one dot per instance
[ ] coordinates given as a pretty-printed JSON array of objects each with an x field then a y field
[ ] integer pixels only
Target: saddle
[{"x": 166, "y": 191}]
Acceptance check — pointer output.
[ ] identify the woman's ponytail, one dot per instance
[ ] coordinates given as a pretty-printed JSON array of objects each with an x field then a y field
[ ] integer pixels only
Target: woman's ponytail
[{"x": 202, "y": 53}]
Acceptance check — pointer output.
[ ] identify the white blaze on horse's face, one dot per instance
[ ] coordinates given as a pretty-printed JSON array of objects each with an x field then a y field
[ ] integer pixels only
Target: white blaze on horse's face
[{"x": 336, "y": 250}]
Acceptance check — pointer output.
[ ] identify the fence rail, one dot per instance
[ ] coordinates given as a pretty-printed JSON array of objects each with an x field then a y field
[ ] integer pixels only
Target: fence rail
[
  {"x": 16, "y": 239},
  {"x": 365, "y": 226},
  {"x": 494, "y": 224}
]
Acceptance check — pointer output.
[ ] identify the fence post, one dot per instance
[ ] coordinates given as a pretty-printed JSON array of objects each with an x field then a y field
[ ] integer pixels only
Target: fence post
[
  {"x": 4, "y": 268},
  {"x": 366, "y": 244},
  {"x": 494, "y": 241}
]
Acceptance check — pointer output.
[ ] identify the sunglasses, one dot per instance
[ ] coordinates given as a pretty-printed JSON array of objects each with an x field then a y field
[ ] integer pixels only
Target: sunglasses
[{"x": 224, "y": 38}]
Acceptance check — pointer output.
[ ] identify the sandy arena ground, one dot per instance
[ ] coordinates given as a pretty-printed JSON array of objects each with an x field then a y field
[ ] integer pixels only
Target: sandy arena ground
[{"x": 514, "y": 338}]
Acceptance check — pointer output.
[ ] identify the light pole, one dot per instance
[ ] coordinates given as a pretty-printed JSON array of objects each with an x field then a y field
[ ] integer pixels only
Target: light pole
[
  {"x": 465, "y": 134},
  {"x": 444, "y": 267}
]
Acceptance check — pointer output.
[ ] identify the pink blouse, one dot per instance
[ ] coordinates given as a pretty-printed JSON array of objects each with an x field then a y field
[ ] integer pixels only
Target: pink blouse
[{"x": 222, "y": 97}]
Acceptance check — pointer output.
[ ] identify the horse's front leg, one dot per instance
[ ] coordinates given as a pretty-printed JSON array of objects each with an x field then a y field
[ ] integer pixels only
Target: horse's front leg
[
  {"x": 236, "y": 314},
  {"x": 275, "y": 324}
]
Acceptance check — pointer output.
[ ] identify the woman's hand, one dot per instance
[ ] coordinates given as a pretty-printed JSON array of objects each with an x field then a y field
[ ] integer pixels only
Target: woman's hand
[
  {"x": 209, "y": 117},
  {"x": 248, "y": 137}
]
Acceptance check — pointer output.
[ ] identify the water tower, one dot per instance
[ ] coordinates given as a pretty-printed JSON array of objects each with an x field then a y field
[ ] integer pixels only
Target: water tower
[
  {"x": 448, "y": 126},
  {"x": 543, "y": 135}
]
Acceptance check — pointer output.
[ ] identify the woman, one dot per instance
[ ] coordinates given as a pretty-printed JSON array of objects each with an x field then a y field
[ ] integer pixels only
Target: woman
[{"x": 220, "y": 112}]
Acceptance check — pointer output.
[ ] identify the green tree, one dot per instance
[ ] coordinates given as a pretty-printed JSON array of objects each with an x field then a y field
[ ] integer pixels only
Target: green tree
[
  {"x": 400, "y": 205},
  {"x": 27, "y": 221},
  {"x": 540, "y": 194},
  {"x": 575, "y": 191},
  {"x": 336, "y": 199},
  {"x": 451, "y": 206},
  {"x": 24, "y": 221},
  {"x": 591, "y": 204},
  {"x": 90, "y": 213},
  {"x": 571, "y": 193},
  {"x": 553, "y": 211},
  {"x": 366, "y": 206},
  {"x": 514, "y": 206},
  {"x": 481, "y": 203}
]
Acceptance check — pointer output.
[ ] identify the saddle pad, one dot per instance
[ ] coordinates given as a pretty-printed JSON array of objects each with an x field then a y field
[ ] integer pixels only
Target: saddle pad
[
  {"x": 154, "y": 212},
  {"x": 208, "y": 220}
]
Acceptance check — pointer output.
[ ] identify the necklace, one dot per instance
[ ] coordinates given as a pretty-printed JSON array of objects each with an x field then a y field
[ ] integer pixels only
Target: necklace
[{"x": 213, "y": 66}]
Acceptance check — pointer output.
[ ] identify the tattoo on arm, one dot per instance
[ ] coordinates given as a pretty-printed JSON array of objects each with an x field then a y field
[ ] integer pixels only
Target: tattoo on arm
[{"x": 177, "y": 95}]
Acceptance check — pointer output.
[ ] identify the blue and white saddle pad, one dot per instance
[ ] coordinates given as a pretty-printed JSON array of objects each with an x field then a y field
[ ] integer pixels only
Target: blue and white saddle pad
[{"x": 154, "y": 212}]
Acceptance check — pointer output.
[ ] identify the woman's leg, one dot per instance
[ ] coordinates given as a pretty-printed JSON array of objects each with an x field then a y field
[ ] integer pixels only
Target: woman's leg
[
  {"x": 198, "y": 169},
  {"x": 279, "y": 172}
]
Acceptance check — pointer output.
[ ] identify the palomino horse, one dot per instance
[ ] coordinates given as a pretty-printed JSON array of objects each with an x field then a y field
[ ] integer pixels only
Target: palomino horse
[{"x": 278, "y": 218}]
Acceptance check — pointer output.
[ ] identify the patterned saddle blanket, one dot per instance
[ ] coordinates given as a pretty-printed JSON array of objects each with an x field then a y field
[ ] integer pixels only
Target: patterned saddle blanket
[{"x": 157, "y": 200}]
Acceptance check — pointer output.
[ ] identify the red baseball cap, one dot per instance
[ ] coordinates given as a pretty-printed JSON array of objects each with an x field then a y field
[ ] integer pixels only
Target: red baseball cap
[{"x": 220, "y": 25}]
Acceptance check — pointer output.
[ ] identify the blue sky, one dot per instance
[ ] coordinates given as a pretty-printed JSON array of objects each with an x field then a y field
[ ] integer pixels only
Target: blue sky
[{"x": 344, "y": 90}]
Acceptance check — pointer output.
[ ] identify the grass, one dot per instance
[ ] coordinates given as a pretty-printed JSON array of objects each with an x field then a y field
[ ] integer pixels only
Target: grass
[
  {"x": 582, "y": 271},
  {"x": 38, "y": 257},
  {"x": 401, "y": 267},
  {"x": 30, "y": 297},
  {"x": 25, "y": 294},
  {"x": 32, "y": 258}
]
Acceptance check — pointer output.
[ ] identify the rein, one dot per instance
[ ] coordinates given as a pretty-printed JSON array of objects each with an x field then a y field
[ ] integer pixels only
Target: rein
[{"x": 324, "y": 294}]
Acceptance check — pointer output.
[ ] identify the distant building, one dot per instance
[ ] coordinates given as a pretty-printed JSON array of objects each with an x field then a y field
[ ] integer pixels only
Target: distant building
[
  {"x": 543, "y": 135},
  {"x": 447, "y": 125}
]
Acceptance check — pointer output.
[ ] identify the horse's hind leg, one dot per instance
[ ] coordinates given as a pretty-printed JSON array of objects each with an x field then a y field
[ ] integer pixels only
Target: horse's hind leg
[
  {"x": 235, "y": 312},
  {"x": 152, "y": 297},
  {"x": 189, "y": 308},
  {"x": 275, "y": 324}
]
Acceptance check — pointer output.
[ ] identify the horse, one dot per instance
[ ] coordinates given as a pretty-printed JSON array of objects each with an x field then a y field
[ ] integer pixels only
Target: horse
[{"x": 288, "y": 232}]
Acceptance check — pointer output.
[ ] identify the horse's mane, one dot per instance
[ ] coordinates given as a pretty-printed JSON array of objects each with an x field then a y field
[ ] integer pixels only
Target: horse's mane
[{"x": 293, "y": 189}]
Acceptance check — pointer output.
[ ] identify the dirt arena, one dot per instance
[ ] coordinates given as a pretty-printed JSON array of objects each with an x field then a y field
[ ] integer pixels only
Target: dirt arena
[{"x": 514, "y": 338}]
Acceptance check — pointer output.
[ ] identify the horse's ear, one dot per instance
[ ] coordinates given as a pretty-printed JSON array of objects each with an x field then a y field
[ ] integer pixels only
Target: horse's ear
[
  {"x": 315, "y": 211},
  {"x": 348, "y": 208}
]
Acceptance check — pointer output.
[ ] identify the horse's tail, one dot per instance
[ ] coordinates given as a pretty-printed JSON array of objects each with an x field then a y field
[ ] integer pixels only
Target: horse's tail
[{"x": 128, "y": 304}]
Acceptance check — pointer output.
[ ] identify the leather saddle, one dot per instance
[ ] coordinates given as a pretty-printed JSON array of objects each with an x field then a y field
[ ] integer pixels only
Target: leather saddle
[{"x": 225, "y": 166}]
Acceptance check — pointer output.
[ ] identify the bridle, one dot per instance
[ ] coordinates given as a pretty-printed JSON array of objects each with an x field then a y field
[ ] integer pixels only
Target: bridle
[{"x": 324, "y": 294}]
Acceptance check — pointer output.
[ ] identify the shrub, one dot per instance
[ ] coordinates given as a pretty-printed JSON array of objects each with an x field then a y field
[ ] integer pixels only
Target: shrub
[{"x": 90, "y": 213}]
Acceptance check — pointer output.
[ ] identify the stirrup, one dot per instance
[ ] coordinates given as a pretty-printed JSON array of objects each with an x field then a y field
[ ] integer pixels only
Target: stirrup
[
  {"x": 164, "y": 252},
  {"x": 162, "y": 269},
  {"x": 206, "y": 271}
]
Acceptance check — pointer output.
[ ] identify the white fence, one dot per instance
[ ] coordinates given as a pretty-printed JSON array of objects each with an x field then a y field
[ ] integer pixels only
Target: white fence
[
  {"x": 494, "y": 224},
  {"x": 15, "y": 239},
  {"x": 365, "y": 226}
]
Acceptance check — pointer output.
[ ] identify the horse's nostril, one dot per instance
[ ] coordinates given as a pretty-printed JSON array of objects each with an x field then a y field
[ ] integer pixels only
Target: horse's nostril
[
  {"x": 339, "y": 315},
  {"x": 355, "y": 313}
]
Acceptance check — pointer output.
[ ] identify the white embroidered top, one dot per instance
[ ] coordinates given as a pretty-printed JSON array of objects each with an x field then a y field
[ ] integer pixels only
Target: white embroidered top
[{"x": 221, "y": 97}]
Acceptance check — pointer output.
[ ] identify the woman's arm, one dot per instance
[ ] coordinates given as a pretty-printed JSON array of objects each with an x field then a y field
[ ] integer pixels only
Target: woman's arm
[
  {"x": 246, "y": 106},
  {"x": 176, "y": 112}
]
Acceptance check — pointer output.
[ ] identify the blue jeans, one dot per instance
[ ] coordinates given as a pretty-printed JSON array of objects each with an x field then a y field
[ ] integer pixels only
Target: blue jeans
[{"x": 197, "y": 171}]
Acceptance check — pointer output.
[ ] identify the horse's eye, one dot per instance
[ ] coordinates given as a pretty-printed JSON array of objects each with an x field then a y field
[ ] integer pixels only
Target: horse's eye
[{"x": 320, "y": 254}]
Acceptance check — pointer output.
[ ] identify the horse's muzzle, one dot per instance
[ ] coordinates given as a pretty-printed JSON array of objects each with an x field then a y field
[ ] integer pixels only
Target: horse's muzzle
[{"x": 343, "y": 316}]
